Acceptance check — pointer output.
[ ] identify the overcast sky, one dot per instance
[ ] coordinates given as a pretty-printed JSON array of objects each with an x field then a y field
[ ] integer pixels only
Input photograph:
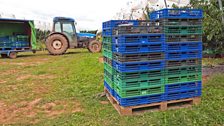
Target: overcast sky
[{"x": 89, "y": 14}]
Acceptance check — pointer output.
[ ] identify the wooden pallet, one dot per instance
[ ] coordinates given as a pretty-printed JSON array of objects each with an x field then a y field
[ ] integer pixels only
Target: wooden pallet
[{"x": 162, "y": 106}]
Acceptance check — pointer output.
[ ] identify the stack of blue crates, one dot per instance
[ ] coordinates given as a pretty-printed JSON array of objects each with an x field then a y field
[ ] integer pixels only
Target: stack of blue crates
[
  {"x": 154, "y": 61},
  {"x": 134, "y": 55},
  {"x": 13, "y": 42},
  {"x": 183, "y": 31}
]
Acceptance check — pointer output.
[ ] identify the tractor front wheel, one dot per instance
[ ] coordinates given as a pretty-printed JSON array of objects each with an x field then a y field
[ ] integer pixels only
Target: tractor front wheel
[
  {"x": 56, "y": 44},
  {"x": 95, "y": 46}
]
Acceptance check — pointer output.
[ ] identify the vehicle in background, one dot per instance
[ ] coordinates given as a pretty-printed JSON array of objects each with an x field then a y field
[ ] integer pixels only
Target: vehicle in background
[
  {"x": 64, "y": 36},
  {"x": 16, "y": 36}
]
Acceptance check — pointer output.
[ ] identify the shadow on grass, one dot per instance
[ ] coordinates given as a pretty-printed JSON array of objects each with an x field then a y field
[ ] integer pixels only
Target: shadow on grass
[{"x": 46, "y": 54}]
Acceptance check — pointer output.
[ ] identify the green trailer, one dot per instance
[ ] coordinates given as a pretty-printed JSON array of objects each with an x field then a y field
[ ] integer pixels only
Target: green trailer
[{"x": 16, "y": 36}]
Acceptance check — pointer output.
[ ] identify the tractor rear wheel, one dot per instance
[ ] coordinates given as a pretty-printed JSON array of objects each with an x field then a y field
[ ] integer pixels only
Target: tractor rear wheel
[
  {"x": 56, "y": 44},
  {"x": 4, "y": 55},
  {"x": 95, "y": 46}
]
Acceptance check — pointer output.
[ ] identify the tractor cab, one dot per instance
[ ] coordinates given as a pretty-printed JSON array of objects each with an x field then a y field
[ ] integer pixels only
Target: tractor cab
[
  {"x": 64, "y": 36},
  {"x": 66, "y": 26}
]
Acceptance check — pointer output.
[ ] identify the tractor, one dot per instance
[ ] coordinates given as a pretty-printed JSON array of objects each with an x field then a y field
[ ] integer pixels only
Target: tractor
[{"x": 64, "y": 36}]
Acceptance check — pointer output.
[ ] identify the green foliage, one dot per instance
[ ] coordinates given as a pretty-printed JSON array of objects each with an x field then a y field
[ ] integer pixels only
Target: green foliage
[
  {"x": 213, "y": 27},
  {"x": 41, "y": 36},
  {"x": 41, "y": 45}
]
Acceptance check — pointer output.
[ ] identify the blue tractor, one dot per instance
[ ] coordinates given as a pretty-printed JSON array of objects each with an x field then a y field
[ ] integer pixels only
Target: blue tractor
[{"x": 64, "y": 36}]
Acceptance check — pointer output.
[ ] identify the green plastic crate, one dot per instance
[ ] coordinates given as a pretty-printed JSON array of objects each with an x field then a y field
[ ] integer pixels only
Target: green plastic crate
[
  {"x": 139, "y": 84},
  {"x": 140, "y": 92},
  {"x": 107, "y": 53},
  {"x": 181, "y": 22},
  {"x": 107, "y": 46},
  {"x": 173, "y": 79},
  {"x": 109, "y": 81},
  {"x": 23, "y": 38},
  {"x": 108, "y": 74},
  {"x": 144, "y": 75},
  {"x": 183, "y": 70},
  {"x": 185, "y": 30},
  {"x": 107, "y": 39},
  {"x": 109, "y": 68},
  {"x": 12, "y": 38}
]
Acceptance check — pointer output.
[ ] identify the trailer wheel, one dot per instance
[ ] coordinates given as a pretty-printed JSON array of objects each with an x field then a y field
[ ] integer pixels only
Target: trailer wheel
[
  {"x": 4, "y": 56},
  {"x": 95, "y": 46},
  {"x": 56, "y": 44},
  {"x": 13, "y": 55}
]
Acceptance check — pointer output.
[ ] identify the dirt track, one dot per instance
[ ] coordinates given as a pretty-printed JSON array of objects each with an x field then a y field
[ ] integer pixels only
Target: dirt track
[{"x": 207, "y": 71}]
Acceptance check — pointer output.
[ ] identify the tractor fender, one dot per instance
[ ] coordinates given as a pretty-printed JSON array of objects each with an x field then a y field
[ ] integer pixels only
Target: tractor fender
[{"x": 60, "y": 34}]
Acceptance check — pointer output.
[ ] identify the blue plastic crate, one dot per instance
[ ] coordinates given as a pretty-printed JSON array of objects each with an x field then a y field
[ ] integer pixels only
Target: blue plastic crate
[
  {"x": 136, "y": 100},
  {"x": 177, "y": 13},
  {"x": 107, "y": 86},
  {"x": 178, "y": 55},
  {"x": 138, "y": 66},
  {"x": 16, "y": 44},
  {"x": 183, "y": 94},
  {"x": 138, "y": 38},
  {"x": 4, "y": 39},
  {"x": 172, "y": 88},
  {"x": 183, "y": 46},
  {"x": 5, "y": 44},
  {"x": 107, "y": 32},
  {"x": 115, "y": 23},
  {"x": 25, "y": 44},
  {"x": 139, "y": 48}
]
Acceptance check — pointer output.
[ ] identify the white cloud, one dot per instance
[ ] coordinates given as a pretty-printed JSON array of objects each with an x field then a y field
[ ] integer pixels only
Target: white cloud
[{"x": 89, "y": 14}]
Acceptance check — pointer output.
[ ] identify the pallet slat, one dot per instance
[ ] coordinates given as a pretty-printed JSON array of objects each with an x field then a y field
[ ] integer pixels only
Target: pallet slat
[{"x": 160, "y": 106}]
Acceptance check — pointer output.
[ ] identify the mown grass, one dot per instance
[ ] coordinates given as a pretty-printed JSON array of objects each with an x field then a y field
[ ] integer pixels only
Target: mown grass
[
  {"x": 212, "y": 61},
  {"x": 78, "y": 76}
]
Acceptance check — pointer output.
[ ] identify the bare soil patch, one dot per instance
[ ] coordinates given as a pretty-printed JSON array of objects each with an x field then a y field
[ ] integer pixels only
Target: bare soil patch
[
  {"x": 27, "y": 76},
  {"x": 25, "y": 112},
  {"x": 209, "y": 70}
]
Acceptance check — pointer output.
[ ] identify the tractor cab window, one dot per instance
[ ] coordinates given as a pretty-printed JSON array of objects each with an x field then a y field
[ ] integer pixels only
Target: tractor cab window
[
  {"x": 58, "y": 27},
  {"x": 68, "y": 28}
]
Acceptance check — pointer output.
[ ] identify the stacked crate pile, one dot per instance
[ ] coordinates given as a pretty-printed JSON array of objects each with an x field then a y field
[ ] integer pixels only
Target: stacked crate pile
[
  {"x": 183, "y": 31},
  {"x": 134, "y": 56},
  {"x": 13, "y": 42},
  {"x": 154, "y": 63}
]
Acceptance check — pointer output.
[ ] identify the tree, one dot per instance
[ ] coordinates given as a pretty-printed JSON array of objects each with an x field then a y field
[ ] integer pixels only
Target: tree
[
  {"x": 213, "y": 28},
  {"x": 41, "y": 36}
]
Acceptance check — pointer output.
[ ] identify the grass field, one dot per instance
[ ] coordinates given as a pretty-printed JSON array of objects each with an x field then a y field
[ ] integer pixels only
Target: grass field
[{"x": 48, "y": 90}]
